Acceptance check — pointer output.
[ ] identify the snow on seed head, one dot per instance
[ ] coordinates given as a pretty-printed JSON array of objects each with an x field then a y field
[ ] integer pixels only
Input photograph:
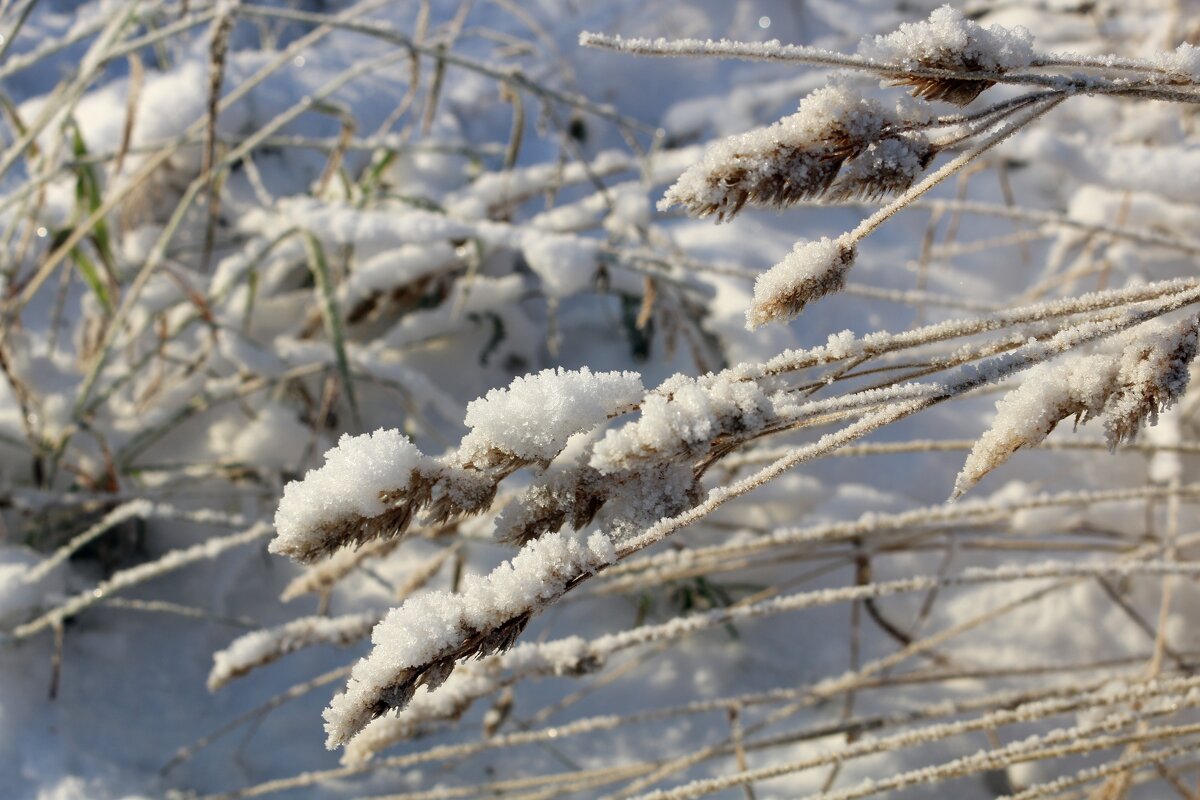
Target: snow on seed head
[
  {"x": 1154, "y": 372},
  {"x": 532, "y": 419},
  {"x": 811, "y": 271},
  {"x": 344, "y": 500},
  {"x": 887, "y": 167},
  {"x": 1125, "y": 389},
  {"x": 950, "y": 41},
  {"x": 795, "y": 159},
  {"x": 421, "y": 642}
]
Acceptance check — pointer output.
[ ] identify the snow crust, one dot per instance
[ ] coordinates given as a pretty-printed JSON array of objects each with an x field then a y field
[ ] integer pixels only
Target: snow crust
[{"x": 20, "y": 598}]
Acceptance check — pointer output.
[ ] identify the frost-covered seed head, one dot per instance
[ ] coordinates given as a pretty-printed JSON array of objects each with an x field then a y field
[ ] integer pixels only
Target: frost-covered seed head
[
  {"x": 681, "y": 422},
  {"x": 795, "y": 159},
  {"x": 1025, "y": 416},
  {"x": 369, "y": 487},
  {"x": 887, "y": 167},
  {"x": 1153, "y": 374},
  {"x": 461, "y": 492},
  {"x": 419, "y": 643},
  {"x": 811, "y": 271},
  {"x": 1126, "y": 389},
  {"x": 532, "y": 419},
  {"x": 470, "y": 682},
  {"x": 555, "y": 499},
  {"x": 950, "y": 41}
]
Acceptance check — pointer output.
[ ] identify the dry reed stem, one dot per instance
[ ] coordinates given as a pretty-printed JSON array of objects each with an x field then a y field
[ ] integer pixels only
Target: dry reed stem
[{"x": 171, "y": 561}]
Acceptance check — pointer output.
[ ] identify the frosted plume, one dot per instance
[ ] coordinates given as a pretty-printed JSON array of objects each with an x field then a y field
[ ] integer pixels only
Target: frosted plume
[{"x": 795, "y": 159}]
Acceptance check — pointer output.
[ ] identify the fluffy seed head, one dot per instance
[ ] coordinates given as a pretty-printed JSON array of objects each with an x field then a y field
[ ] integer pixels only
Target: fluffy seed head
[
  {"x": 811, "y": 271},
  {"x": 795, "y": 159},
  {"x": 887, "y": 167},
  {"x": 950, "y": 41}
]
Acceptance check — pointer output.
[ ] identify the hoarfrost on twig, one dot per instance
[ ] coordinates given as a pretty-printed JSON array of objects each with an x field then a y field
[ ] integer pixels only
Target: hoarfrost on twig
[{"x": 261, "y": 647}]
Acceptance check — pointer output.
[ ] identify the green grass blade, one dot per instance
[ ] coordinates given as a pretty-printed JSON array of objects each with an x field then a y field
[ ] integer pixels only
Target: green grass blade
[{"x": 333, "y": 319}]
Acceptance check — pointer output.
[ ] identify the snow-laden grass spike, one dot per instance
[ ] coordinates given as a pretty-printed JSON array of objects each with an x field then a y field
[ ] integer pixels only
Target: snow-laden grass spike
[
  {"x": 811, "y": 271},
  {"x": 887, "y": 167},
  {"x": 532, "y": 419},
  {"x": 1125, "y": 389},
  {"x": 374, "y": 486},
  {"x": 795, "y": 159},
  {"x": 571, "y": 496},
  {"x": 485, "y": 617},
  {"x": 949, "y": 41},
  {"x": 370, "y": 487},
  {"x": 471, "y": 682},
  {"x": 1153, "y": 373}
]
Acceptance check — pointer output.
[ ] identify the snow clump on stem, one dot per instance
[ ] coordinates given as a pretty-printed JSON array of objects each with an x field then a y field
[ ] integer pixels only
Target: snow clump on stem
[
  {"x": 795, "y": 159},
  {"x": 369, "y": 485},
  {"x": 532, "y": 419},
  {"x": 811, "y": 271},
  {"x": 950, "y": 41}
]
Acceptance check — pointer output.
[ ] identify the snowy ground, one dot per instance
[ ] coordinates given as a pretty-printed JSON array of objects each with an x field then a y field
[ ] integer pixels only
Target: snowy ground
[{"x": 395, "y": 238}]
